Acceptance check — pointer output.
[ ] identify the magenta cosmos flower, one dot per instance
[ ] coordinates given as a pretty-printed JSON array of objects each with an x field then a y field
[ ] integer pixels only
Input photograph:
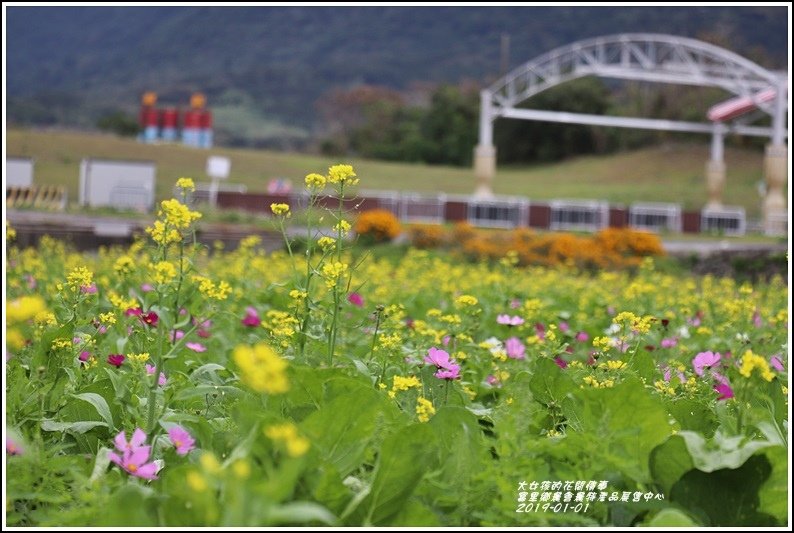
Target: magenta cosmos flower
[
  {"x": 355, "y": 299},
  {"x": 116, "y": 359},
  {"x": 724, "y": 390},
  {"x": 12, "y": 448},
  {"x": 447, "y": 369},
  {"x": 181, "y": 439},
  {"x": 515, "y": 348},
  {"x": 508, "y": 320},
  {"x": 705, "y": 360},
  {"x": 134, "y": 455},
  {"x": 150, "y": 319},
  {"x": 251, "y": 317}
]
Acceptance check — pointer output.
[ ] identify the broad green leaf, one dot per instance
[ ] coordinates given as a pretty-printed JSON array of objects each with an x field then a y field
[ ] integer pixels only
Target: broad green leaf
[
  {"x": 692, "y": 415},
  {"x": 101, "y": 463},
  {"x": 341, "y": 430},
  {"x": 671, "y": 518},
  {"x": 99, "y": 404},
  {"x": 200, "y": 391},
  {"x": 461, "y": 446},
  {"x": 405, "y": 457},
  {"x": 725, "y": 497},
  {"x": 550, "y": 383},
  {"x": 773, "y": 494},
  {"x": 627, "y": 420},
  {"x": 71, "y": 427},
  {"x": 301, "y": 513}
]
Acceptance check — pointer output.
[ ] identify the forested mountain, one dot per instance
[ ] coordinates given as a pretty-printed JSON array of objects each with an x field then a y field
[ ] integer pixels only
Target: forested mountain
[{"x": 266, "y": 67}]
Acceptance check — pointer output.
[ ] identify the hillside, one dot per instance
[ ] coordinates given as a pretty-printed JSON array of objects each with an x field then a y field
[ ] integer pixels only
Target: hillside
[
  {"x": 263, "y": 68},
  {"x": 672, "y": 173}
]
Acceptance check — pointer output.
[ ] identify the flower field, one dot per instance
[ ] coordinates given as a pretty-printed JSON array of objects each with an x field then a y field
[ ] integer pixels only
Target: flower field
[{"x": 168, "y": 384}]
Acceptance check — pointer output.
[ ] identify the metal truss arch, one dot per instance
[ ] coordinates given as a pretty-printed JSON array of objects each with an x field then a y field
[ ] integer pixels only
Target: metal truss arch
[{"x": 635, "y": 56}]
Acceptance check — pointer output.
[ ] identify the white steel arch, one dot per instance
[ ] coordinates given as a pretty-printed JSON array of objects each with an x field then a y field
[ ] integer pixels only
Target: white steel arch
[
  {"x": 636, "y": 56},
  {"x": 653, "y": 58}
]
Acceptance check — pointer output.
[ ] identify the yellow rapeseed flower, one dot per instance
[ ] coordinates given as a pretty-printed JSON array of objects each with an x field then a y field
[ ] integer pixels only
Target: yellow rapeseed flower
[
  {"x": 186, "y": 184},
  {"x": 280, "y": 209},
  {"x": 287, "y": 434},
  {"x": 261, "y": 368},
  {"x": 751, "y": 361},
  {"x": 315, "y": 181},
  {"x": 424, "y": 409},
  {"x": 342, "y": 174}
]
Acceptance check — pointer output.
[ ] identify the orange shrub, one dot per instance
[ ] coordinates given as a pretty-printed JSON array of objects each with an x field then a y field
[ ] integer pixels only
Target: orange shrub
[
  {"x": 378, "y": 225},
  {"x": 427, "y": 236}
]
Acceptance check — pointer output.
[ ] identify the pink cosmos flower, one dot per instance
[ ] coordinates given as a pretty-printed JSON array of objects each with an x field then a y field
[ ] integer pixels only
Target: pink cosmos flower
[
  {"x": 88, "y": 289},
  {"x": 705, "y": 360},
  {"x": 724, "y": 390},
  {"x": 582, "y": 336},
  {"x": 181, "y": 440},
  {"x": 161, "y": 380},
  {"x": 757, "y": 322},
  {"x": 251, "y": 317},
  {"x": 453, "y": 373},
  {"x": 134, "y": 455},
  {"x": 492, "y": 380},
  {"x": 84, "y": 356},
  {"x": 777, "y": 363},
  {"x": 447, "y": 369},
  {"x": 176, "y": 335},
  {"x": 508, "y": 320},
  {"x": 196, "y": 346},
  {"x": 437, "y": 357},
  {"x": 669, "y": 342},
  {"x": 719, "y": 378},
  {"x": 12, "y": 448},
  {"x": 116, "y": 359},
  {"x": 203, "y": 328},
  {"x": 445, "y": 340},
  {"x": 133, "y": 311},
  {"x": 147, "y": 287},
  {"x": 515, "y": 348},
  {"x": 515, "y": 303},
  {"x": 76, "y": 340},
  {"x": 355, "y": 299},
  {"x": 561, "y": 362},
  {"x": 563, "y": 327},
  {"x": 540, "y": 331},
  {"x": 696, "y": 320}
]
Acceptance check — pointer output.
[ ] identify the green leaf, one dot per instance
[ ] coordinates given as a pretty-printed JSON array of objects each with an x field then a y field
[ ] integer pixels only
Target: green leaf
[
  {"x": 671, "y": 518},
  {"x": 71, "y": 427},
  {"x": 626, "y": 419},
  {"x": 301, "y": 513},
  {"x": 206, "y": 369},
  {"x": 773, "y": 494},
  {"x": 405, "y": 457},
  {"x": 101, "y": 463},
  {"x": 693, "y": 415},
  {"x": 341, "y": 430},
  {"x": 725, "y": 497},
  {"x": 99, "y": 404},
  {"x": 461, "y": 446},
  {"x": 550, "y": 383},
  {"x": 200, "y": 391}
]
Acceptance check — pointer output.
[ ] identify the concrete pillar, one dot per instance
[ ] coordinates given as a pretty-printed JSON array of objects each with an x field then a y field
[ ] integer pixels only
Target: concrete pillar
[
  {"x": 715, "y": 168},
  {"x": 715, "y": 183},
  {"x": 776, "y": 174},
  {"x": 484, "y": 170}
]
